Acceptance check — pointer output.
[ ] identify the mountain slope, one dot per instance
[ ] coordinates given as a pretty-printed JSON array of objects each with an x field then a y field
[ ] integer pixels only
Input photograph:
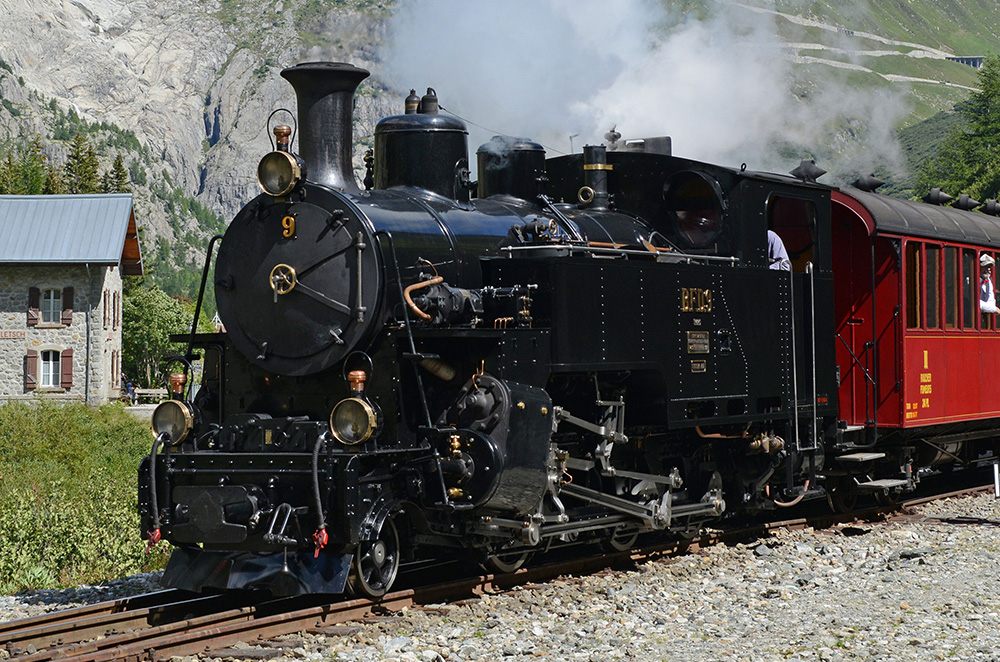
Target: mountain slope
[{"x": 184, "y": 91}]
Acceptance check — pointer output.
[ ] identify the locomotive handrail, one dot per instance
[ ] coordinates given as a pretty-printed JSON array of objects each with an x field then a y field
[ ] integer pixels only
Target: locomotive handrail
[
  {"x": 570, "y": 226},
  {"x": 406, "y": 322},
  {"x": 201, "y": 293},
  {"x": 795, "y": 363},
  {"x": 812, "y": 324},
  {"x": 659, "y": 256}
]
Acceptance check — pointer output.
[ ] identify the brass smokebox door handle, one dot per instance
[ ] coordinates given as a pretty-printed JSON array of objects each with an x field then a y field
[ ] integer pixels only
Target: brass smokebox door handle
[{"x": 282, "y": 280}]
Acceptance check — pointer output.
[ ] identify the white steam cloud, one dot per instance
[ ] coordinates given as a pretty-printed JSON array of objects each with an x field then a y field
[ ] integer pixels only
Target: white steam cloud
[{"x": 722, "y": 86}]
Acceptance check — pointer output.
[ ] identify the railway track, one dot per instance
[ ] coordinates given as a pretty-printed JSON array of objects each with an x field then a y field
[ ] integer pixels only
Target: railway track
[{"x": 159, "y": 625}]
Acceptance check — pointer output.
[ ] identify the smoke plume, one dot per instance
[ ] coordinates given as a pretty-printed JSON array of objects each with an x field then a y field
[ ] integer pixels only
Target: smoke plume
[{"x": 721, "y": 84}]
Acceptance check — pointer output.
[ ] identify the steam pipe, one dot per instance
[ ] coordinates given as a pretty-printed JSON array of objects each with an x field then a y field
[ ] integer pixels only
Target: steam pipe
[
  {"x": 417, "y": 286},
  {"x": 325, "y": 98}
]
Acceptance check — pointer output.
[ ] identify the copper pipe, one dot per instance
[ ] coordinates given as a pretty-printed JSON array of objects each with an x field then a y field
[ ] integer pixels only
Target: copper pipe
[
  {"x": 645, "y": 244},
  {"x": 416, "y": 286},
  {"x": 793, "y": 502},
  {"x": 716, "y": 435}
]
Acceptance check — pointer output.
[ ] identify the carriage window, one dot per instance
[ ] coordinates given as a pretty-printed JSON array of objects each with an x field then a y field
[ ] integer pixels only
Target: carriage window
[
  {"x": 793, "y": 219},
  {"x": 988, "y": 321},
  {"x": 932, "y": 289},
  {"x": 914, "y": 280},
  {"x": 950, "y": 287},
  {"x": 970, "y": 289}
]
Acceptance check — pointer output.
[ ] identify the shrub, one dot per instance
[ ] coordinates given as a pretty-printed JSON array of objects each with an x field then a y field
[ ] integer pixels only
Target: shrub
[{"x": 68, "y": 495}]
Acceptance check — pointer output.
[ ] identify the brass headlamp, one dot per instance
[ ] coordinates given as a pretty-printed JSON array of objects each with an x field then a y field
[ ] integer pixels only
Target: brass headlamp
[
  {"x": 280, "y": 171},
  {"x": 175, "y": 417},
  {"x": 354, "y": 420}
]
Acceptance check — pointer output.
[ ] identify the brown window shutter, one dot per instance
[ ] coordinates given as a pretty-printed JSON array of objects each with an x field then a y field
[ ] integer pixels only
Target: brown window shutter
[
  {"x": 106, "y": 308},
  {"x": 31, "y": 370},
  {"x": 66, "y": 364},
  {"x": 67, "y": 303},
  {"x": 34, "y": 303}
]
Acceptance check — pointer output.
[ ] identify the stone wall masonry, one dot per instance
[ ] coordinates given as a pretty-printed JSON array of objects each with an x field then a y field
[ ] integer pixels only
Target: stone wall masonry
[{"x": 16, "y": 337}]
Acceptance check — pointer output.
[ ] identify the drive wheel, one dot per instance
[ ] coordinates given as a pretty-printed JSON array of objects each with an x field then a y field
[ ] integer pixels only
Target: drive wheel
[
  {"x": 504, "y": 562},
  {"x": 622, "y": 538},
  {"x": 887, "y": 498},
  {"x": 376, "y": 563},
  {"x": 843, "y": 496}
]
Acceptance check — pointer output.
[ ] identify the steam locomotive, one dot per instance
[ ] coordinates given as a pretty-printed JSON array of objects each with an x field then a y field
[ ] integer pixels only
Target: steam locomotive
[{"x": 591, "y": 347}]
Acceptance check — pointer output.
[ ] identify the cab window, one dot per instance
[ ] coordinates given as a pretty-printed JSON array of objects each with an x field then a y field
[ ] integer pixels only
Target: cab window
[{"x": 794, "y": 220}]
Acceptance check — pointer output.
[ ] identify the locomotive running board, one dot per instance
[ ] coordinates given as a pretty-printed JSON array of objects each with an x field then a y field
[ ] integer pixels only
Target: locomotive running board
[
  {"x": 882, "y": 484},
  {"x": 860, "y": 457}
]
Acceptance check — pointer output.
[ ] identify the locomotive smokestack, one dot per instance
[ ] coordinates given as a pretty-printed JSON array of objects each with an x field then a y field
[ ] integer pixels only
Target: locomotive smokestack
[{"x": 325, "y": 97}]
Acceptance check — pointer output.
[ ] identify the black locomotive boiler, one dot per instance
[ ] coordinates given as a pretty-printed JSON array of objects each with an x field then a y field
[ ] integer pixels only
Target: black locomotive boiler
[{"x": 591, "y": 347}]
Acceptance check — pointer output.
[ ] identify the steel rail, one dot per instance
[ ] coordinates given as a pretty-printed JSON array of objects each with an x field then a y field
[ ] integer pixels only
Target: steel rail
[
  {"x": 257, "y": 623},
  {"x": 69, "y": 625}
]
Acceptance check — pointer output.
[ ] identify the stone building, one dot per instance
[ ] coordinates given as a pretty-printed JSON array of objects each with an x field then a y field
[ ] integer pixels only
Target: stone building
[{"x": 62, "y": 258}]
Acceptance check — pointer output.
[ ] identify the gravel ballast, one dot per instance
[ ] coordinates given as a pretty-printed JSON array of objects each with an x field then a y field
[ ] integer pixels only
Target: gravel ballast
[{"x": 902, "y": 590}]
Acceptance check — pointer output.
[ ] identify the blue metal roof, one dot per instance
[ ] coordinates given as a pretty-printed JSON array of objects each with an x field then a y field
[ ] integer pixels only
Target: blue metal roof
[{"x": 61, "y": 229}]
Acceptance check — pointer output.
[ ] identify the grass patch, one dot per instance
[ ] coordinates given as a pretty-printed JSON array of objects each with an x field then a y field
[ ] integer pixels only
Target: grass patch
[{"x": 68, "y": 495}]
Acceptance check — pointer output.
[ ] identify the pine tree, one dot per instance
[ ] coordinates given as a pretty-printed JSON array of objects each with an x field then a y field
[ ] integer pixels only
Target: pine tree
[
  {"x": 116, "y": 179},
  {"x": 7, "y": 173},
  {"x": 968, "y": 160},
  {"x": 33, "y": 168},
  {"x": 54, "y": 183},
  {"x": 24, "y": 174},
  {"x": 81, "y": 169}
]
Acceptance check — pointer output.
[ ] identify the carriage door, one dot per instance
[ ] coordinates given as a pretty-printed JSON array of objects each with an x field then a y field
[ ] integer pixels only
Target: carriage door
[
  {"x": 852, "y": 269},
  {"x": 867, "y": 320}
]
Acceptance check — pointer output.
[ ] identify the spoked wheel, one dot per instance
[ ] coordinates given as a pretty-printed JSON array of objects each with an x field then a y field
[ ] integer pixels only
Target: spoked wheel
[
  {"x": 843, "y": 496},
  {"x": 376, "y": 563},
  {"x": 622, "y": 538},
  {"x": 887, "y": 498},
  {"x": 502, "y": 562}
]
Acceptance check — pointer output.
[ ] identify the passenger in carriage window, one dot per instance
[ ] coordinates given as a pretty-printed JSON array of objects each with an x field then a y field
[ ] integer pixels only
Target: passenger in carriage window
[
  {"x": 777, "y": 256},
  {"x": 987, "y": 295}
]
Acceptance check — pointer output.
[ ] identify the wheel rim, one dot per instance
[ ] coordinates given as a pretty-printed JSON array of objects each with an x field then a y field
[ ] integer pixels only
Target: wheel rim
[
  {"x": 622, "y": 538},
  {"x": 376, "y": 563},
  {"x": 505, "y": 562},
  {"x": 843, "y": 497}
]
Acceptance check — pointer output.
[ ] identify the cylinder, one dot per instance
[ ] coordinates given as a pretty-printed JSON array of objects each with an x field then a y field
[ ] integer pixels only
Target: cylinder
[
  {"x": 511, "y": 166},
  {"x": 325, "y": 98}
]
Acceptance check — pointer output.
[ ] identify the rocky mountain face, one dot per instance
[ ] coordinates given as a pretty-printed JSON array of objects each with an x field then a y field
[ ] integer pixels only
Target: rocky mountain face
[
  {"x": 183, "y": 89},
  {"x": 193, "y": 80}
]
